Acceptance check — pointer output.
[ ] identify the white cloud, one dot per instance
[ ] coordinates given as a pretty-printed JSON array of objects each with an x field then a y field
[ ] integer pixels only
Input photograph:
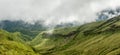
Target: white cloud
[{"x": 54, "y": 12}]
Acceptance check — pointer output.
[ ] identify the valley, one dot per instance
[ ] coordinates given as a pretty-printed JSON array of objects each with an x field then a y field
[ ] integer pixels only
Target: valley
[{"x": 95, "y": 38}]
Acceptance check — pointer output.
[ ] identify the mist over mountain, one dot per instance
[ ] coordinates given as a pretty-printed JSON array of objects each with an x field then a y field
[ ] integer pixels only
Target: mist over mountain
[
  {"x": 64, "y": 11},
  {"x": 15, "y": 25},
  {"x": 108, "y": 13},
  {"x": 59, "y": 27},
  {"x": 38, "y": 26}
]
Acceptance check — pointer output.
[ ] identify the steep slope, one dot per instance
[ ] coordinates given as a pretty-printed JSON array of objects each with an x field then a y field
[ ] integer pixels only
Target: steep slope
[
  {"x": 12, "y": 44},
  {"x": 97, "y": 38}
]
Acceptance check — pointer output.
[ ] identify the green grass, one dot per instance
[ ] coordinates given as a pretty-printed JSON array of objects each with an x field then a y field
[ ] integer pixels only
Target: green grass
[{"x": 12, "y": 44}]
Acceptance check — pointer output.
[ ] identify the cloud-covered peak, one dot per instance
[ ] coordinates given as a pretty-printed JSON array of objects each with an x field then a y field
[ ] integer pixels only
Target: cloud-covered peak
[{"x": 54, "y": 12}]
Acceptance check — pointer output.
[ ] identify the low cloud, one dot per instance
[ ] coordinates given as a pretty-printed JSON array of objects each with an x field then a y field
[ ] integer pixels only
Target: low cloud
[{"x": 54, "y": 12}]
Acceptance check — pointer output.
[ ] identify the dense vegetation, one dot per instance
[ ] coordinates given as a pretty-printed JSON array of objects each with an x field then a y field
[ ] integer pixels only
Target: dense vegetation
[{"x": 96, "y": 38}]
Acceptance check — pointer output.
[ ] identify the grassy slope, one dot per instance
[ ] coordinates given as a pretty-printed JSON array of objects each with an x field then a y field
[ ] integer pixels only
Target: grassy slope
[
  {"x": 12, "y": 44},
  {"x": 97, "y": 38}
]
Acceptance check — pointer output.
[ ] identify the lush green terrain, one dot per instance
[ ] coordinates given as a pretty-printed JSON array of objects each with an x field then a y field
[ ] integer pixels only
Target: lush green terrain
[
  {"x": 96, "y": 38},
  {"x": 12, "y": 44}
]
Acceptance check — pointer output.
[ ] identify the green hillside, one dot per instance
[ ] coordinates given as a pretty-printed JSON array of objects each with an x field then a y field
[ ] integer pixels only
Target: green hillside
[
  {"x": 96, "y": 38},
  {"x": 12, "y": 44}
]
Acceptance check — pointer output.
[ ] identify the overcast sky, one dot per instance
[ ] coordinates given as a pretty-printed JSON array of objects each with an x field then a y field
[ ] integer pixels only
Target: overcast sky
[{"x": 54, "y": 11}]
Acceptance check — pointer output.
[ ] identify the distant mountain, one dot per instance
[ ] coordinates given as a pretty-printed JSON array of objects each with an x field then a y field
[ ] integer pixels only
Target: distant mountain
[
  {"x": 108, "y": 13},
  {"x": 23, "y": 27}
]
